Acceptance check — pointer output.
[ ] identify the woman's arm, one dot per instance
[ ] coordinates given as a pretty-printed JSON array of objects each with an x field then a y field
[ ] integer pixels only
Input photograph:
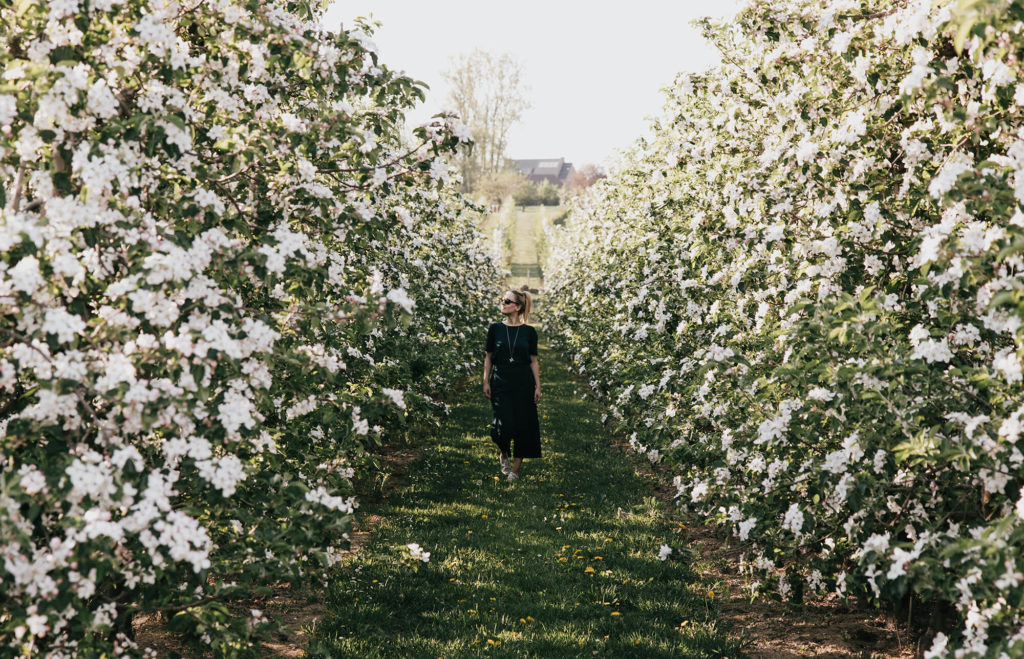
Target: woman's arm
[
  {"x": 487, "y": 375},
  {"x": 535, "y": 367}
]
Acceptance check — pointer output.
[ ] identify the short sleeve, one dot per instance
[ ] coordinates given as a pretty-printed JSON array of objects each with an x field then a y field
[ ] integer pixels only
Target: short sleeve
[
  {"x": 490, "y": 339},
  {"x": 533, "y": 341}
]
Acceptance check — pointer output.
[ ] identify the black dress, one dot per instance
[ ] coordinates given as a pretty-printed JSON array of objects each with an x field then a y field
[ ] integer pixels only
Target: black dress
[{"x": 512, "y": 387}]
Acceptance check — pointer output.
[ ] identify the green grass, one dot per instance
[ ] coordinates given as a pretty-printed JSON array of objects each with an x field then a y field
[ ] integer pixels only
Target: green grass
[
  {"x": 525, "y": 225},
  {"x": 563, "y": 563},
  {"x": 523, "y": 236}
]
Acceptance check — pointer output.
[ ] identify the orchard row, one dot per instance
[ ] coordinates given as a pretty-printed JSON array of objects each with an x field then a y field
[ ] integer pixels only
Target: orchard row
[
  {"x": 224, "y": 275},
  {"x": 803, "y": 296}
]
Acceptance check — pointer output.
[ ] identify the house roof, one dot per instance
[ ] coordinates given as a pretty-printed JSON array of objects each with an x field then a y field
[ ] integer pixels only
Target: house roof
[{"x": 553, "y": 168}]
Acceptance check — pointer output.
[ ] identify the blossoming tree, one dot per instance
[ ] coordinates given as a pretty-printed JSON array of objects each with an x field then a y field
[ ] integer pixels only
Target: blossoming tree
[
  {"x": 213, "y": 235},
  {"x": 803, "y": 295}
]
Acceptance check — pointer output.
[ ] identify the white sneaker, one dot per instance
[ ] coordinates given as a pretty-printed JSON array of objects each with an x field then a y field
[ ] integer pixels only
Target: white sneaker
[
  {"x": 506, "y": 466},
  {"x": 512, "y": 476}
]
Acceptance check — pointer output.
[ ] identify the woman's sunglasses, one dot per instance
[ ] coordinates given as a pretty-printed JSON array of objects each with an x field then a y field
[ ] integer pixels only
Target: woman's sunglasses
[{"x": 508, "y": 301}]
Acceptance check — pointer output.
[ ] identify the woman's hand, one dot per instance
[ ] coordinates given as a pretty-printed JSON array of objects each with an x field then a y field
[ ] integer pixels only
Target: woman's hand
[
  {"x": 536, "y": 394},
  {"x": 487, "y": 389}
]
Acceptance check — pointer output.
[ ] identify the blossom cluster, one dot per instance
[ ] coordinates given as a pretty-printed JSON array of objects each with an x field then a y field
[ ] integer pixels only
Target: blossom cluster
[
  {"x": 225, "y": 276},
  {"x": 807, "y": 288}
]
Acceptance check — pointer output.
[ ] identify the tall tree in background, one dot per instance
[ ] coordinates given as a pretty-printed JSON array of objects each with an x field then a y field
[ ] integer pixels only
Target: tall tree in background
[{"x": 487, "y": 90}]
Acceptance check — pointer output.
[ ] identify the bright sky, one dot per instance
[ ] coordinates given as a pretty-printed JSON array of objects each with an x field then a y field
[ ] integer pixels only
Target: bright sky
[{"x": 594, "y": 69}]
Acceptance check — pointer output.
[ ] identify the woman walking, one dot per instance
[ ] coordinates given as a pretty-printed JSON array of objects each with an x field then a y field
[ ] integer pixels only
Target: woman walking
[{"x": 512, "y": 382}]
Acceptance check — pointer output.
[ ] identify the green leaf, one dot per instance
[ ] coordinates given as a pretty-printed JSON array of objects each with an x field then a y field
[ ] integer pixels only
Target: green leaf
[
  {"x": 63, "y": 55},
  {"x": 176, "y": 120},
  {"x": 962, "y": 32},
  {"x": 1015, "y": 247}
]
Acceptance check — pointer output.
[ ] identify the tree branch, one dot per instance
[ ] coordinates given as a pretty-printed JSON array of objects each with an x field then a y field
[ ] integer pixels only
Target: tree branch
[
  {"x": 390, "y": 163},
  {"x": 19, "y": 182}
]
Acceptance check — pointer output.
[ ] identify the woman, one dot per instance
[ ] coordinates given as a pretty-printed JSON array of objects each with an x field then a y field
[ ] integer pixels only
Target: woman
[{"x": 512, "y": 382}]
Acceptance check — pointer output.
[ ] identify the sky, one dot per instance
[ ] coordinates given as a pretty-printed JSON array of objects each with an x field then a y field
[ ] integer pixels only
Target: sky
[{"x": 594, "y": 70}]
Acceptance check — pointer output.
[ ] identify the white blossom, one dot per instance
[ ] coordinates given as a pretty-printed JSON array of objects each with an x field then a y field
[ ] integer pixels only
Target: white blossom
[
  {"x": 793, "y": 519},
  {"x": 1008, "y": 365},
  {"x": 416, "y": 552}
]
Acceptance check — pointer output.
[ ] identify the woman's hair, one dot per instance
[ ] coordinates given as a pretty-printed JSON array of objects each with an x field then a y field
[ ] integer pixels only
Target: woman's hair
[{"x": 525, "y": 302}]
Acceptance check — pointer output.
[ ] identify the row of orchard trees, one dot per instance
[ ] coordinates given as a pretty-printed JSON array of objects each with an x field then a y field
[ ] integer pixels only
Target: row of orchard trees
[
  {"x": 804, "y": 295},
  {"x": 224, "y": 274}
]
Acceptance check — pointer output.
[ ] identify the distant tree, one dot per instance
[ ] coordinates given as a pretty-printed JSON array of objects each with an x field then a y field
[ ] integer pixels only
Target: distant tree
[
  {"x": 530, "y": 194},
  {"x": 585, "y": 176},
  {"x": 494, "y": 188},
  {"x": 547, "y": 194},
  {"x": 525, "y": 194},
  {"x": 488, "y": 92}
]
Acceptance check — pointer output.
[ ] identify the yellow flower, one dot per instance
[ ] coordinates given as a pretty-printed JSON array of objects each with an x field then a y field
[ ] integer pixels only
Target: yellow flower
[
  {"x": 711, "y": 593},
  {"x": 616, "y": 613},
  {"x": 589, "y": 570}
]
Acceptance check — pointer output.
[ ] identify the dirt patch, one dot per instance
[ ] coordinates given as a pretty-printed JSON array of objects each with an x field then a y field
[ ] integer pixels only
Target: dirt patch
[
  {"x": 298, "y": 617},
  {"x": 825, "y": 627},
  {"x": 297, "y": 612}
]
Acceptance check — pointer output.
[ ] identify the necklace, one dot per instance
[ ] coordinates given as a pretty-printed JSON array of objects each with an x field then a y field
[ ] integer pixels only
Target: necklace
[{"x": 511, "y": 343}]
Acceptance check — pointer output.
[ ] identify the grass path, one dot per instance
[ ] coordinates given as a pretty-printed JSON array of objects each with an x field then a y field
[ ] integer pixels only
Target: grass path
[
  {"x": 525, "y": 225},
  {"x": 563, "y": 563}
]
